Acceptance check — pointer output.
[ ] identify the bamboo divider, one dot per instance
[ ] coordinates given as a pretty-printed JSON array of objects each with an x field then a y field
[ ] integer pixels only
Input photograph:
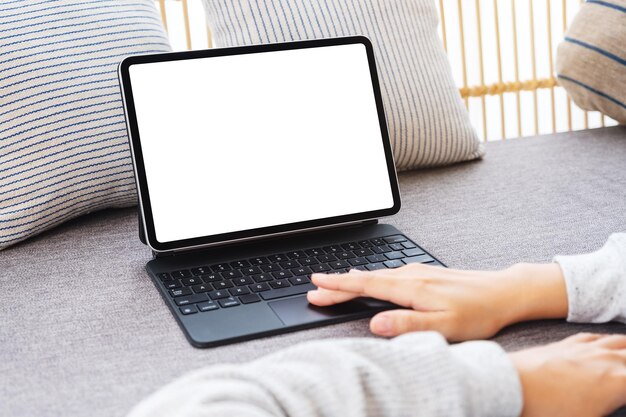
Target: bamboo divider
[{"x": 481, "y": 66}]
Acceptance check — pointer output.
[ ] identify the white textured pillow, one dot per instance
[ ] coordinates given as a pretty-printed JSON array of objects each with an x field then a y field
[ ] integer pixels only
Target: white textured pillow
[
  {"x": 63, "y": 145},
  {"x": 427, "y": 121}
]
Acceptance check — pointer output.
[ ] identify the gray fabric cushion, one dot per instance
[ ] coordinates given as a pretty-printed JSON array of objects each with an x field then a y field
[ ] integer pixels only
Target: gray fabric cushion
[
  {"x": 428, "y": 124},
  {"x": 591, "y": 61},
  {"x": 63, "y": 144},
  {"x": 84, "y": 332}
]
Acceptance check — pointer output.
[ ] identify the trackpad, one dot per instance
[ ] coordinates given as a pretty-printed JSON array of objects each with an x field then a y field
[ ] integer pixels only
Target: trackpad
[{"x": 297, "y": 310}]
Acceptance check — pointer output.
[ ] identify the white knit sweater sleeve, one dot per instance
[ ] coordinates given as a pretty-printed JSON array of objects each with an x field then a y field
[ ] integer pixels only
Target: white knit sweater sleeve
[
  {"x": 596, "y": 283},
  {"x": 417, "y": 374}
]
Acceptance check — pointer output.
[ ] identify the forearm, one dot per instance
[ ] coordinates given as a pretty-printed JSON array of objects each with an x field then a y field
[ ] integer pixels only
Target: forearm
[
  {"x": 583, "y": 288},
  {"x": 416, "y": 374}
]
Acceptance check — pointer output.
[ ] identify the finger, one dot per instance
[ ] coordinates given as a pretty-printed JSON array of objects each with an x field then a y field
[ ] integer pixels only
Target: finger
[
  {"x": 615, "y": 341},
  {"x": 323, "y": 297},
  {"x": 383, "y": 287},
  {"x": 584, "y": 337},
  {"x": 396, "y": 322}
]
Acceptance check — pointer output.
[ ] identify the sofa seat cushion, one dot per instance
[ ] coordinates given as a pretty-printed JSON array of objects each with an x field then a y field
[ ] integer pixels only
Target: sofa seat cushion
[{"x": 84, "y": 331}]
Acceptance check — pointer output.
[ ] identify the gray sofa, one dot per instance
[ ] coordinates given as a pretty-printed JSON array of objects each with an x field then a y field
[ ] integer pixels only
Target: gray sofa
[{"x": 84, "y": 333}]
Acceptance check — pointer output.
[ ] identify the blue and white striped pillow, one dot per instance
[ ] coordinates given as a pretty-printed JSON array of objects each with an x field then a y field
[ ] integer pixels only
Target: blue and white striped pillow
[
  {"x": 591, "y": 60},
  {"x": 63, "y": 145},
  {"x": 427, "y": 121}
]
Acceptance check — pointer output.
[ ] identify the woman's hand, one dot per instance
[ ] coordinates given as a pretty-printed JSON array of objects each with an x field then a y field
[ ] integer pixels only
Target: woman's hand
[
  {"x": 462, "y": 305},
  {"x": 581, "y": 376}
]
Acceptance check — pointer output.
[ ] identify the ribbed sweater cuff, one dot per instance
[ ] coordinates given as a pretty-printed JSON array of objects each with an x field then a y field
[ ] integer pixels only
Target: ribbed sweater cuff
[{"x": 492, "y": 385}]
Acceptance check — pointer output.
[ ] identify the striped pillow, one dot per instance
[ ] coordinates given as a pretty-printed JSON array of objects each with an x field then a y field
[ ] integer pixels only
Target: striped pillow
[
  {"x": 427, "y": 122},
  {"x": 591, "y": 61},
  {"x": 63, "y": 144}
]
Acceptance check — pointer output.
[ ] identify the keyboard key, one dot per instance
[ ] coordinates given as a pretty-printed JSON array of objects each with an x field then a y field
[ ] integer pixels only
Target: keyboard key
[
  {"x": 201, "y": 288},
  {"x": 286, "y": 292},
  {"x": 164, "y": 277},
  {"x": 289, "y": 264},
  {"x": 270, "y": 268},
  {"x": 282, "y": 274},
  {"x": 350, "y": 246},
  {"x": 381, "y": 249},
  {"x": 408, "y": 245},
  {"x": 261, "y": 286},
  {"x": 363, "y": 252},
  {"x": 173, "y": 284},
  {"x": 191, "y": 299},
  {"x": 296, "y": 254},
  {"x": 201, "y": 270},
  {"x": 377, "y": 258},
  {"x": 413, "y": 252},
  {"x": 358, "y": 261},
  {"x": 259, "y": 261},
  {"x": 281, "y": 283},
  {"x": 249, "y": 299},
  {"x": 358, "y": 268},
  {"x": 377, "y": 242},
  {"x": 278, "y": 258},
  {"x": 221, "y": 285},
  {"x": 365, "y": 244},
  {"x": 239, "y": 291},
  {"x": 320, "y": 268},
  {"x": 251, "y": 270},
  {"x": 216, "y": 295},
  {"x": 394, "y": 239},
  {"x": 420, "y": 259},
  {"x": 299, "y": 280},
  {"x": 180, "y": 274},
  {"x": 229, "y": 302},
  {"x": 240, "y": 264},
  {"x": 308, "y": 261},
  {"x": 375, "y": 266},
  {"x": 396, "y": 246},
  {"x": 314, "y": 252},
  {"x": 339, "y": 264},
  {"x": 303, "y": 270},
  {"x": 208, "y": 306},
  {"x": 243, "y": 281},
  {"x": 188, "y": 310},
  {"x": 345, "y": 255},
  {"x": 332, "y": 249},
  {"x": 327, "y": 258},
  {"x": 262, "y": 277},
  {"x": 231, "y": 274},
  {"x": 394, "y": 255},
  {"x": 191, "y": 281},
  {"x": 179, "y": 292},
  {"x": 220, "y": 267},
  {"x": 212, "y": 278},
  {"x": 396, "y": 263}
]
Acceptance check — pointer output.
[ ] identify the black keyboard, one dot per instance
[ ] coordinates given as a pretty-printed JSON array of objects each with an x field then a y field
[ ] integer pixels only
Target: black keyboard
[{"x": 225, "y": 285}]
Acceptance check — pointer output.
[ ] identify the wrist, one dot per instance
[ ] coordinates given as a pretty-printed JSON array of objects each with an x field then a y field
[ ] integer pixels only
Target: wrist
[{"x": 539, "y": 291}]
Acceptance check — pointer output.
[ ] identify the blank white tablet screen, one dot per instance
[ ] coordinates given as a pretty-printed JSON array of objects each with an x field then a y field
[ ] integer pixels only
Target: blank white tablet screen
[{"x": 242, "y": 142}]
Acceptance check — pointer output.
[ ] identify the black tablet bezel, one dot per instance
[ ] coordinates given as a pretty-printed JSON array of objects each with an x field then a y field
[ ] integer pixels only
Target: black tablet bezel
[{"x": 223, "y": 238}]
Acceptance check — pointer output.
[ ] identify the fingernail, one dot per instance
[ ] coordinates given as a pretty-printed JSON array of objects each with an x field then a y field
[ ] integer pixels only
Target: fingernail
[{"x": 382, "y": 325}]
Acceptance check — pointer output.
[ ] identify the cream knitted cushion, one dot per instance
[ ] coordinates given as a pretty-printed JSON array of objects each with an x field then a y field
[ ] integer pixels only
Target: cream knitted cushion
[
  {"x": 427, "y": 121},
  {"x": 591, "y": 61},
  {"x": 63, "y": 144}
]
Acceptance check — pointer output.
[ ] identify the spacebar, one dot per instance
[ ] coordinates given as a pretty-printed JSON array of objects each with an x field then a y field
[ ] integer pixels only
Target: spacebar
[{"x": 286, "y": 292}]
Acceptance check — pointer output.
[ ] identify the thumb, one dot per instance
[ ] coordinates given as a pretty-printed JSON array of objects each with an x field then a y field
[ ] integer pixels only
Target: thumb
[{"x": 396, "y": 322}]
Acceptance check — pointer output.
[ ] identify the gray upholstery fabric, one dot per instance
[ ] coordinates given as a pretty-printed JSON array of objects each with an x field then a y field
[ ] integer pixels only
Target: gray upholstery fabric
[{"x": 84, "y": 332}]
